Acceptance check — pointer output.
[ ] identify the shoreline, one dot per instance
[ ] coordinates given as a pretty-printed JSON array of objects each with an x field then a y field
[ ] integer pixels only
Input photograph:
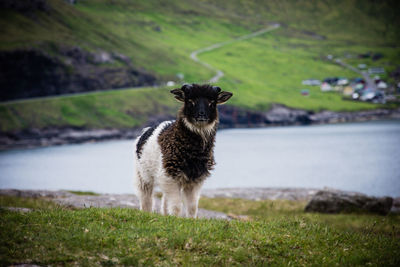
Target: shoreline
[
  {"x": 88, "y": 199},
  {"x": 230, "y": 118}
]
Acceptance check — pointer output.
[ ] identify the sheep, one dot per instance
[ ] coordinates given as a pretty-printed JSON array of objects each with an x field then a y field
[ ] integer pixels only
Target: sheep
[{"x": 178, "y": 155}]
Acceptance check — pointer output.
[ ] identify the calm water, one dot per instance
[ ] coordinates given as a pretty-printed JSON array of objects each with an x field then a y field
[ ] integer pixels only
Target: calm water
[{"x": 362, "y": 157}]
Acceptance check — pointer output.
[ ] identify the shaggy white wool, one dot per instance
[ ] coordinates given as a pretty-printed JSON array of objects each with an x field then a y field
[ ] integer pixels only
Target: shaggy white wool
[{"x": 202, "y": 129}]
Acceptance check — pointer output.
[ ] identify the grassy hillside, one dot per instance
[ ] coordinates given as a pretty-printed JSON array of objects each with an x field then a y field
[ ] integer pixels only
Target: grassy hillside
[
  {"x": 159, "y": 36},
  {"x": 278, "y": 233},
  {"x": 112, "y": 109}
]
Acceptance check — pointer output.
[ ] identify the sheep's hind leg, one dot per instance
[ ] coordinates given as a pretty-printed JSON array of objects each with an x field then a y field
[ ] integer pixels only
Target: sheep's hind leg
[
  {"x": 164, "y": 205},
  {"x": 145, "y": 192}
]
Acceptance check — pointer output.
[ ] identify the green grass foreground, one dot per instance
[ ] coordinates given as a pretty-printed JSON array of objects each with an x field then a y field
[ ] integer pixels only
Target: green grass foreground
[{"x": 278, "y": 233}]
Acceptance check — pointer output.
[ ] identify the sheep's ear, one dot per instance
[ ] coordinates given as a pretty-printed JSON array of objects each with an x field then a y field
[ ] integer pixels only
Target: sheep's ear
[
  {"x": 179, "y": 94},
  {"x": 223, "y": 97},
  {"x": 217, "y": 89}
]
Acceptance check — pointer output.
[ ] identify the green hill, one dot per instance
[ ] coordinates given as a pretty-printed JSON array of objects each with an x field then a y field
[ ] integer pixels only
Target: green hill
[{"x": 154, "y": 39}]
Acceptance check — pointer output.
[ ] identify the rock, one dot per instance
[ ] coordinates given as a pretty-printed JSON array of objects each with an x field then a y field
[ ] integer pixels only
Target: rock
[
  {"x": 33, "y": 193},
  {"x": 71, "y": 2},
  {"x": 396, "y": 206},
  {"x": 26, "y": 73},
  {"x": 280, "y": 114},
  {"x": 324, "y": 116},
  {"x": 25, "y": 265},
  {"x": 297, "y": 194},
  {"x": 314, "y": 35},
  {"x": 210, "y": 214},
  {"x": 334, "y": 201},
  {"x": 16, "y": 209},
  {"x": 102, "y": 57},
  {"x": 157, "y": 28},
  {"x": 230, "y": 117},
  {"x": 27, "y": 8},
  {"x": 90, "y": 135},
  {"x": 243, "y": 218},
  {"x": 59, "y": 136}
]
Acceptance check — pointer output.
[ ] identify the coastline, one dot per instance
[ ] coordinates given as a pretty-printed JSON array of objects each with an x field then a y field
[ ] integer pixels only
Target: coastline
[
  {"x": 230, "y": 117},
  {"x": 88, "y": 199}
]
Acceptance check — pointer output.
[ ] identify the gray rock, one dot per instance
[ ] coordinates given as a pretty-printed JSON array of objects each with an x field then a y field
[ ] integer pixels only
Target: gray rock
[
  {"x": 230, "y": 117},
  {"x": 17, "y": 209},
  {"x": 280, "y": 114},
  {"x": 333, "y": 201},
  {"x": 396, "y": 206},
  {"x": 34, "y": 72},
  {"x": 33, "y": 193},
  {"x": 25, "y": 265},
  {"x": 54, "y": 136},
  {"x": 71, "y": 2},
  {"x": 102, "y": 57},
  {"x": 257, "y": 193}
]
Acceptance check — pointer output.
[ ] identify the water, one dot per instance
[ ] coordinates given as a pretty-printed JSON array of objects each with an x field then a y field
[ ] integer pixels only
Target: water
[{"x": 363, "y": 157}]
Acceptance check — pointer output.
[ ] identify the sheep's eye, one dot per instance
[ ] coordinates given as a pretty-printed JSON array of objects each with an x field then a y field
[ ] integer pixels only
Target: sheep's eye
[
  {"x": 211, "y": 103},
  {"x": 191, "y": 102}
]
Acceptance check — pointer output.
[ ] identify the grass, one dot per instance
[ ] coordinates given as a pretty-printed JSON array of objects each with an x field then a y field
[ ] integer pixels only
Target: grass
[
  {"x": 112, "y": 109},
  {"x": 83, "y": 193},
  {"x": 389, "y": 61},
  {"x": 279, "y": 234},
  {"x": 266, "y": 210},
  {"x": 271, "y": 72},
  {"x": 159, "y": 36}
]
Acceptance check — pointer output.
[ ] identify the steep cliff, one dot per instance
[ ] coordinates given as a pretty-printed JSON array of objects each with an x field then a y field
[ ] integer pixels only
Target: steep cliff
[{"x": 33, "y": 72}]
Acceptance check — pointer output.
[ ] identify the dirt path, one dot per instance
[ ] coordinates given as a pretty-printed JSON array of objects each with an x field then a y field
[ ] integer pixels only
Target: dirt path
[
  {"x": 219, "y": 73},
  {"x": 370, "y": 83}
]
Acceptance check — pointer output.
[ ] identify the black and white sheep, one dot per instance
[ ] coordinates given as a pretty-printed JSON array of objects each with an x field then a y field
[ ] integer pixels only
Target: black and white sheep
[{"x": 178, "y": 155}]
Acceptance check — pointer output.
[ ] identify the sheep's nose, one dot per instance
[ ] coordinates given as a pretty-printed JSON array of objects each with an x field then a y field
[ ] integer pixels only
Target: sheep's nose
[{"x": 202, "y": 113}]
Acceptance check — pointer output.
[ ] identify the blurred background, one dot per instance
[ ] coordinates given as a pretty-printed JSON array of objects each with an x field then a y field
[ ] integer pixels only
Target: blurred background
[{"x": 77, "y": 72}]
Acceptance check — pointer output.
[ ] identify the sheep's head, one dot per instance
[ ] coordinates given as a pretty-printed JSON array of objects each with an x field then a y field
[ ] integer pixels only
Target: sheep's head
[{"x": 200, "y": 102}]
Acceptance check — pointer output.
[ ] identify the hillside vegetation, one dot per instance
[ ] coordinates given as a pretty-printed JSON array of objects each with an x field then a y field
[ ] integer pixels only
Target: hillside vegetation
[
  {"x": 276, "y": 233},
  {"x": 158, "y": 37}
]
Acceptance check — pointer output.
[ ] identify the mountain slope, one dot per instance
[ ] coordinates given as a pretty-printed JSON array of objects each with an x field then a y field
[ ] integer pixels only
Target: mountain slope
[{"x": 100, "y": 44}]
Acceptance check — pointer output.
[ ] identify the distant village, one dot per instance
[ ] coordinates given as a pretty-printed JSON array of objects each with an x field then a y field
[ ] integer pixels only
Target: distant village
[
  {"x": 370, "y": 87},
  {"x": 355, "y": 89}
]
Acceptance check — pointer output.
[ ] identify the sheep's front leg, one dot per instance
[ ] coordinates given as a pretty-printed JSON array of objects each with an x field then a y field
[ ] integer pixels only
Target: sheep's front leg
[
  {"x": 191, "y": 195},
  {"x": 171, "y": 202}
]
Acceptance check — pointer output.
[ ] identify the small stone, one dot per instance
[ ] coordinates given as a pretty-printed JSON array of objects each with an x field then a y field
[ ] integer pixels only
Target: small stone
[
  {"x": 157, "y": 29},
  {"x": 26, "y": 265}
]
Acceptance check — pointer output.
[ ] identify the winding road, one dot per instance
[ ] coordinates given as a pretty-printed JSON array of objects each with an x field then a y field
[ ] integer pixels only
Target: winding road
[{"x": 219, "y": 73}]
